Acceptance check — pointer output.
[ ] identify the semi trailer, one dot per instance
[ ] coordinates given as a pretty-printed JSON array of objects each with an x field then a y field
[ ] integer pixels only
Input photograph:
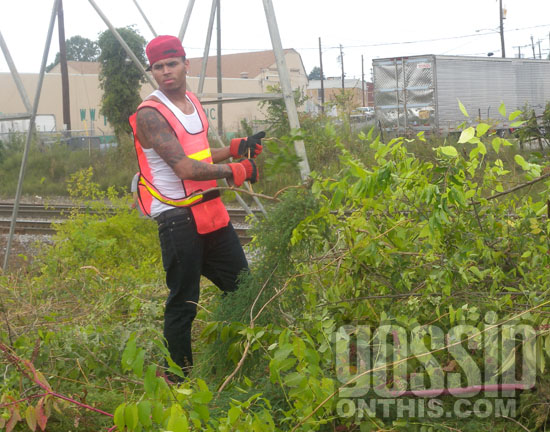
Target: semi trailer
[{"x": 422, "y": 93}]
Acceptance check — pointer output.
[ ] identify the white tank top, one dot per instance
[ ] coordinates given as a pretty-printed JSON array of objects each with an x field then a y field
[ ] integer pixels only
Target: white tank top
[{"x": 164, "y": 177}]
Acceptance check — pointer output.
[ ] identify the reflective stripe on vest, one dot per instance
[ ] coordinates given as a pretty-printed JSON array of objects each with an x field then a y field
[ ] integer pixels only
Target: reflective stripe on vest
[
  {"x": 199, "y": 156},
  {"x": 176, "y": 203}
]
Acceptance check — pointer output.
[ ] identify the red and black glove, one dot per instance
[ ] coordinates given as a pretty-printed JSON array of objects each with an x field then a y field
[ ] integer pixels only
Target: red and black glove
[
  {"x": 243, "y": 170},
  {"x": 239, "y": 147}
]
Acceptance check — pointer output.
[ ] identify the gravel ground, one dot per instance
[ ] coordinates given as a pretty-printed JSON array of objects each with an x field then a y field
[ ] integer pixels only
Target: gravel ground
[
  {"x": 23, "y": 249},
  {"x": 25, "y": 246}
]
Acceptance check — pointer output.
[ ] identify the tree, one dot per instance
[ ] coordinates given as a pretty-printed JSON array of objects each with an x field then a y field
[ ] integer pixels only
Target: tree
[
  {"x": 78, "y": 49},
  {"x": 119, "y": 78},
  {"x": 315, "y": 74},
  {"x": 276, "y": 121}
]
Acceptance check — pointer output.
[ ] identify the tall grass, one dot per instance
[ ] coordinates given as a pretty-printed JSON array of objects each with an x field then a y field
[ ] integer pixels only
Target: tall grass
[{"x": 49, "y": 167}]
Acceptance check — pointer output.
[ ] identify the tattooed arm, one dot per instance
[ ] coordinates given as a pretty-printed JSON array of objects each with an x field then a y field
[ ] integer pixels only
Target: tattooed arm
[
  {"x": 154, "y": 132},
  {"x": 220, "y": 154}
]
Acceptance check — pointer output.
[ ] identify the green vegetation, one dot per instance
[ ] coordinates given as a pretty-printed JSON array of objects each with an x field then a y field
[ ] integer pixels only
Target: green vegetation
[
  {"x": 119, "y": 78},
  {"x": 400, "y": 239},
  {"x": 78, "y": 49},
  {"x": 50, "y": 166}
]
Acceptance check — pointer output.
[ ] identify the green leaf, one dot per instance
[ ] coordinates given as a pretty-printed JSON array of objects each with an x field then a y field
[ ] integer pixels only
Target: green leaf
[
  {"x": 463, "y": 109},
  {"x": 177, "y": 421},
  {"x": 521, "y": 162},
  {"x": 283, "y": 352},
  {"x": 150, "y": 382},
  {"x": 144, "y": 413},
  {"x": 199, "y": 412},
  {"x": 466, "y": 135},
  {"x": 158, "y": 412},
  {"x": 502, "y": 109},
  {"x": 185, "y": 391},
  {"x": 233, "y": 414},
  {"x": 517, "y": 124},
  {"x": 337, "y": 198},
  {"x": 119, "y": 417},
  {"x": 481, "y": 147},
  {"x": 294, "y": 379},
  {"x": 509, "y": 362},
  {"x": 298, "y": 348},
  {"x": 476, "y": 272},
  {"x": 514, "y": 115},
  {"x": 482, "y": 129},
  {"x": 131, "y": 416},
  {"x": 496, "y": 144},
  {"x": 449, "y": 151},
  {"x": 201, "y": 397},
  {"x": 129, "y": 353},
  {"x": 137, "y": 365},
  {"x": 457, "y": 196}
]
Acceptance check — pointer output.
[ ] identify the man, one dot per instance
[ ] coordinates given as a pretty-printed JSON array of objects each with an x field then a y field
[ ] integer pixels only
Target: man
[{"x": 177, "y": 169}]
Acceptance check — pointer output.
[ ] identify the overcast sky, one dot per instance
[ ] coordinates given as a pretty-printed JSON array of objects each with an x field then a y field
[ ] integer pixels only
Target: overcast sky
[{"x": 368, "y": 28}]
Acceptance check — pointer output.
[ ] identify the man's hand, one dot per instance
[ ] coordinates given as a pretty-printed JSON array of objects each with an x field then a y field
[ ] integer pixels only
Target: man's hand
[
  {"x": 243, "y": 170},
  {"x": 240, "y": 147}
]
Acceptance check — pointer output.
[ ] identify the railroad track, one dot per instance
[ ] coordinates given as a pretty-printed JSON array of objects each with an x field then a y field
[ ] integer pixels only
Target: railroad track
[
  {"x": 38, "y": 219},
  {"x": 28, "y": 227}
]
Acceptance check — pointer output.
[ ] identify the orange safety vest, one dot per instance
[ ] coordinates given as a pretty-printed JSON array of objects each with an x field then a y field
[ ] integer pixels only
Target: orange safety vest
[{"x": 208, "y": 210}]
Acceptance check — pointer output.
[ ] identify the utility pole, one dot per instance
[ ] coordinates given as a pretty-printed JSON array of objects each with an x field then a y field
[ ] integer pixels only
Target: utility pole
[
  {"x": 284, "y": 79},
  {"x": 322, "y": 78},
  {"x": 540, "y": 53},
  {"x": 533, "y": 47},
  {"x": 502, "y": 47},
  {"x": 519, "y": 52},
  {"x": 342, "y": 62},
  {"x": 219, "y": 66},
  {"x": 363, "y": 80},
  {"x": 64, "y": 69}
]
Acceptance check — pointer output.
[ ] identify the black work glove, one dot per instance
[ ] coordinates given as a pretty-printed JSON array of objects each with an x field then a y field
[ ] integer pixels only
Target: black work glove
[{"x": 239, "y": 147}]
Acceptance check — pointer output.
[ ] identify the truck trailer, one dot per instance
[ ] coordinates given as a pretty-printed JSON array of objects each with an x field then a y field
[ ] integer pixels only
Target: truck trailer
[{"x": 422, "y": 93}]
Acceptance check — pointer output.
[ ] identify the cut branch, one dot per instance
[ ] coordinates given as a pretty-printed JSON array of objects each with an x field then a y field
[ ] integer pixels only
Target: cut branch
[{"x": 515, "y": 188}]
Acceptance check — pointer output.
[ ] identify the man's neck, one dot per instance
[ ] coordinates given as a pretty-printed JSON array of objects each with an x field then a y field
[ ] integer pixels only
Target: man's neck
[{"x": 178, "y": 97}]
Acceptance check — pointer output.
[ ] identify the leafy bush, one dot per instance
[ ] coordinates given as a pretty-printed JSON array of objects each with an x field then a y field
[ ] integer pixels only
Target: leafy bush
[{"x": 390, "y": 239}]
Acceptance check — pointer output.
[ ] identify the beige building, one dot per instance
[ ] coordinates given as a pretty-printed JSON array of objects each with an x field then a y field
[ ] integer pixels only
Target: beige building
[{"x": 245, "y": 73}]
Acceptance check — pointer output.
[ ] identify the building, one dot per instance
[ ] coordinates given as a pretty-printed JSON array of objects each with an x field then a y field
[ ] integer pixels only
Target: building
[
  {"x": 360, "y": 95},
  {"x": 251, "y": 73},
  {"x": 245, "y": 73},
  {"x": 258, "y": 65}
]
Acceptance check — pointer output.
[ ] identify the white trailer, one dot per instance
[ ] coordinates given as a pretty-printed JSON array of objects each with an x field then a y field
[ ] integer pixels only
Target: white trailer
[{"x": 421, "y": 93}]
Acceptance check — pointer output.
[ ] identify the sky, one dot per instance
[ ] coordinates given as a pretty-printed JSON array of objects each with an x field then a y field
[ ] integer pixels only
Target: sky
[{"x": 365, "y": 29}]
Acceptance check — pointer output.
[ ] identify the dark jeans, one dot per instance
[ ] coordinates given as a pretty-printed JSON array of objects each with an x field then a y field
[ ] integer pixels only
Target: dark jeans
[{"x": 186, "y": 255}]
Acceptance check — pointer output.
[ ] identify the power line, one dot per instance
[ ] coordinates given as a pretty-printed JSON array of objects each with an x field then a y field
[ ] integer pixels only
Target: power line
[
  {"x": 477, "y": 34},
  {"x": 437, "y": 39}
]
